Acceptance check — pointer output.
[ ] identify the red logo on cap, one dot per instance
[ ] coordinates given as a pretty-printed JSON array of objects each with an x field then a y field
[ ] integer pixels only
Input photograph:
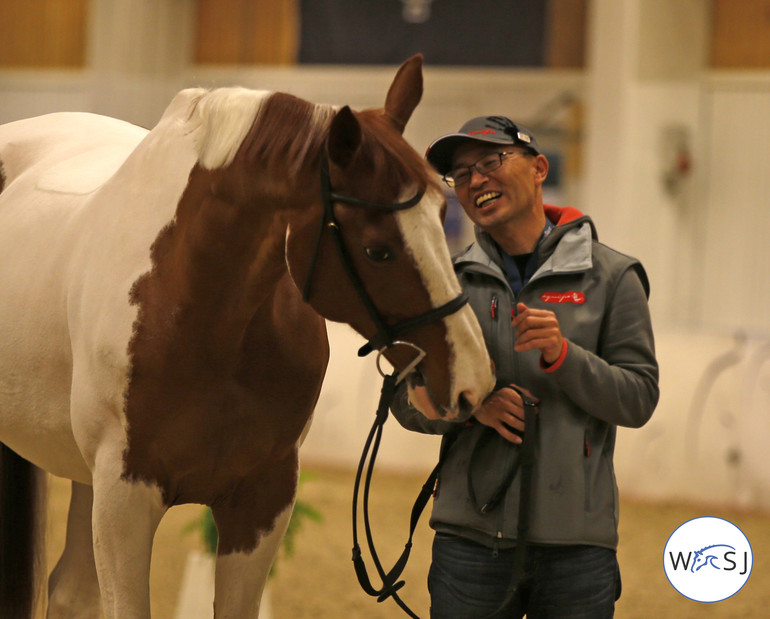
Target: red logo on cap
[
  {"x": 483, "y": 132},
  {"x": 564, "y": 297}
]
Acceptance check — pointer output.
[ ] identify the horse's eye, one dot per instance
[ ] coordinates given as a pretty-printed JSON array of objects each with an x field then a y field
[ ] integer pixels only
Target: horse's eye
[{"x": 379, "y": 253}]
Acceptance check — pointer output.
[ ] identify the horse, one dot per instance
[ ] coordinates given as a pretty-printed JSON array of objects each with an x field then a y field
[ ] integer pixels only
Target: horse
[{"x": 162, "y": 325}]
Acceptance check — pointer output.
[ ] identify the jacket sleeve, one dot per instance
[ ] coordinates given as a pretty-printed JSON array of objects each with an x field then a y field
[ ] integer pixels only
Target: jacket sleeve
[
  {"x": 412, "y": 419},
  {"x": 620, "y": 383}
]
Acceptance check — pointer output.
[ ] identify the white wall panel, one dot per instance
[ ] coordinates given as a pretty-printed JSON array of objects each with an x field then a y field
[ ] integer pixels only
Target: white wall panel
[
  {"x": 709, "y": 437},
  {"x": 734, "y": 252}
]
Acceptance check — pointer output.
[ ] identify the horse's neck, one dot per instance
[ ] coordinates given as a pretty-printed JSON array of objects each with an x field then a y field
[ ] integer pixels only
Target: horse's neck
[
  {"x": 217, "y": 267},
  {"x": 222, "y": 257}
]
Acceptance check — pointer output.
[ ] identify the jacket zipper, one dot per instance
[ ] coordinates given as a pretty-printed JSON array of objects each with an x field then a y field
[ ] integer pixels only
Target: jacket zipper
[
  {"x": 496, "y": 544},
  {"x": 516, "y": 368}
]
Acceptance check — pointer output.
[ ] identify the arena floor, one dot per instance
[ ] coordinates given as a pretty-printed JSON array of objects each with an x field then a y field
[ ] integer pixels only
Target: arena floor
[{"x": 318, "y": 582}]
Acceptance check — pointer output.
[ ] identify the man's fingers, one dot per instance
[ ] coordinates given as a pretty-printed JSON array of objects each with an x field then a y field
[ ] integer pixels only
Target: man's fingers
[
  {"x": 536, "y": 324},
  {"x": 528, "y": 393},
  {"x": 504, "y": 412},
  {"x": 512, "y": 394},
  {"x": 508, "y": 435},
  {"x": 515, "y": 421}
]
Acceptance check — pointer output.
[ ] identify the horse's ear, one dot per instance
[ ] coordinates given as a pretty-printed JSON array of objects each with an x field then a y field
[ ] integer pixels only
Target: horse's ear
[
  {"x": 405, "y": 92},
  {"x": 344, "y": 137}
]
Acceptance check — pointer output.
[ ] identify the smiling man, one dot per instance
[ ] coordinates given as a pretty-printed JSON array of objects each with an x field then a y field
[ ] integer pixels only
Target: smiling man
[{"x": 566, "y": 321}]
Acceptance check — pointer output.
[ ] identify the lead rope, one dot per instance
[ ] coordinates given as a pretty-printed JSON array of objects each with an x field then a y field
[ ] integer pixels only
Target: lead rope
[
  {"x": 525, "y": 501},
  {"x": 390, "y": 583}
]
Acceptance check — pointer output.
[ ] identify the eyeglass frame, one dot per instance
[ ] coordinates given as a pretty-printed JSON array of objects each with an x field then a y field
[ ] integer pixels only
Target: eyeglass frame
[{"x": 449, "y": 179}]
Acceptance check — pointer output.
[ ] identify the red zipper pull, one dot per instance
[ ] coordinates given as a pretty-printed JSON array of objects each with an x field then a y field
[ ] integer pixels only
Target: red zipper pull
[{"x": 493, "y": 307}]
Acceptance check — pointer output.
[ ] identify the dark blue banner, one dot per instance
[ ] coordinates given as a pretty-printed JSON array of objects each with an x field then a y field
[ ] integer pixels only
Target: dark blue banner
[{"x": 446, "y": 32}]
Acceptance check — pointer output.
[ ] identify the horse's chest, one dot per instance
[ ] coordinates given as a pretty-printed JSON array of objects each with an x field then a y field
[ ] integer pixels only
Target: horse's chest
[
  {"x": 197, "y": 437},
  {"x": 210, "y": 408}
]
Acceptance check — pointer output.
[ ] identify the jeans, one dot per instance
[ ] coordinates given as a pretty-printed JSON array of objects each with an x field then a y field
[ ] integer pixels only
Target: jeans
[{"x": 467, "y": 581}]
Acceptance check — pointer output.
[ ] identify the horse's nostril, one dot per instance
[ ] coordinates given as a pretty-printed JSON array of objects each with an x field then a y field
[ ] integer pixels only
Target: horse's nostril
[{"x": 465, "y": 405}]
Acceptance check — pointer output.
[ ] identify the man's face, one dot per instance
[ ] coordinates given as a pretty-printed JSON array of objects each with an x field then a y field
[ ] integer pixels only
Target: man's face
[{"x": 509, "y": 193}]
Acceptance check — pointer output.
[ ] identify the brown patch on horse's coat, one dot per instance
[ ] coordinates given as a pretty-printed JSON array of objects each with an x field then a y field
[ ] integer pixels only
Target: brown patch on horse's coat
[{"x": 217, "y": 396}]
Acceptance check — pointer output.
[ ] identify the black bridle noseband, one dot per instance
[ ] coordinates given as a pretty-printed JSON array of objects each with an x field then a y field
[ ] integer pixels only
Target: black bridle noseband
[{"x": 386, "y": 335}]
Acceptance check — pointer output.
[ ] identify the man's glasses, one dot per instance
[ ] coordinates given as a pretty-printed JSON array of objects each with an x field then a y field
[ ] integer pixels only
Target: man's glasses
[{"x": 485, "y": 165}]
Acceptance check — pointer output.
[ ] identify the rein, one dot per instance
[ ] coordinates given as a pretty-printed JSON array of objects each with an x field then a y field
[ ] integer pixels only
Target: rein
[{"x": 390, "y": 580}]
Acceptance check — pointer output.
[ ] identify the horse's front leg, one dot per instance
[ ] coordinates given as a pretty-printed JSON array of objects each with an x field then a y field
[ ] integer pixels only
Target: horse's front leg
[
  {"x": 73, "y": 588},
  {"x": 126, "y": 515},
  {"x": 251, "y": 526},
  {"x": 241, "y": 575}
]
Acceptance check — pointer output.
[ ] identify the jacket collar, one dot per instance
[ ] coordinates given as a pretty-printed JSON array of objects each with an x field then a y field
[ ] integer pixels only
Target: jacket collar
[{"x": 567, "y": 249}]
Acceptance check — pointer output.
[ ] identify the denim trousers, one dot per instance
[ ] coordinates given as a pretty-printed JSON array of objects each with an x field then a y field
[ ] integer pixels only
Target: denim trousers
[{"x": 470, "y": 581}]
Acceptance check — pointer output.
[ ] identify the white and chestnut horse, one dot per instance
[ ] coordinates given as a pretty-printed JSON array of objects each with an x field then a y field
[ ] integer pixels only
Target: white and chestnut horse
[{"x": 156, "y": 347}]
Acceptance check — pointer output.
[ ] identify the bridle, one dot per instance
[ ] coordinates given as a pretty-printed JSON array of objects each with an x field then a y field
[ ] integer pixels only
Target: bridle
[{"x": 386, "y": 336}]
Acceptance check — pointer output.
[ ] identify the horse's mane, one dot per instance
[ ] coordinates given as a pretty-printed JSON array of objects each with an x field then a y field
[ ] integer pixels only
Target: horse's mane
[
  {"x": 219, "y": 121},
  {"x": 282, "y": 131},
  {"x": 274, "y": 127}
]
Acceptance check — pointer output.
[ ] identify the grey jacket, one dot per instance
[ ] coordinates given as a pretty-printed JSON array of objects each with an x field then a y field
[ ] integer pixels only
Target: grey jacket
[{"x": 608, "y": 378}]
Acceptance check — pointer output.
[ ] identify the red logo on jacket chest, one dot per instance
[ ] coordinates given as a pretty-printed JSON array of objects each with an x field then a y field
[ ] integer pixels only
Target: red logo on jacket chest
[{"x": 563, "y": 297}]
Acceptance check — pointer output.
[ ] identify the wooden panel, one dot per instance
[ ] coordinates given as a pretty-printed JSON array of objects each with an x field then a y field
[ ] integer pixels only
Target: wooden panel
[
  {"x": 246, "y": 32},
  {"x": 565, "y": 34},
  {"x": 741, "y": 34},
  {"x": 218, "y": 33},
  {"x": 43, "y": 33}
]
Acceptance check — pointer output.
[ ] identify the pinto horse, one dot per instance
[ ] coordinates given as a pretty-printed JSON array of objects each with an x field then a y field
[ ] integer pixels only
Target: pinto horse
[{"x": 156, "y": 347}]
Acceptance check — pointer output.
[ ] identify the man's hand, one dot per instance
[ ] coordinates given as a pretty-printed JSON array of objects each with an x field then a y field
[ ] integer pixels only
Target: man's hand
[
  {"x": 537, "y": 329},
  {"x": 503, "y": 411}
]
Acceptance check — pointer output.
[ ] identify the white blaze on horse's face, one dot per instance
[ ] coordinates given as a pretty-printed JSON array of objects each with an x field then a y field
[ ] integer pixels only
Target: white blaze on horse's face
[{"x": 470, "y": 368}]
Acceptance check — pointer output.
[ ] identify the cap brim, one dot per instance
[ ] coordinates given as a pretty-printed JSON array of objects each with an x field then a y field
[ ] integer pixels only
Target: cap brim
[{"x": 441, "y": 151}]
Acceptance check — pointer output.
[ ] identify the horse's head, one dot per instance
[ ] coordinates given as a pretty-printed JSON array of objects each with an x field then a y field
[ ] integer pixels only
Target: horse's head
[
  {"x": 702, "y": 558},
  {"x": 379, "y": 255}
]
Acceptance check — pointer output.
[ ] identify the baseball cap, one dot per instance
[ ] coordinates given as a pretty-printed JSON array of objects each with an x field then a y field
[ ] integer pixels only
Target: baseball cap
[{"x": 492, "y": 129}]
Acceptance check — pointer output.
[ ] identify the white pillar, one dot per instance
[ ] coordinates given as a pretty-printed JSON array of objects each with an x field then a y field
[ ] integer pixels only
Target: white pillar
[
  {"x": 612, "y": 51},
  {"x": 645, "y": 62}
]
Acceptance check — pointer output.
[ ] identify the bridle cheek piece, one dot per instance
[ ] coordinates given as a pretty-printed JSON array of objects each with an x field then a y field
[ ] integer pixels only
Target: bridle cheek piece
[{"x": 386, "y": 335}]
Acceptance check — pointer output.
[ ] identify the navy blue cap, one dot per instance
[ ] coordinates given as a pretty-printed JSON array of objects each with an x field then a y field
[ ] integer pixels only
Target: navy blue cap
[{"x": 492, "y": 129}]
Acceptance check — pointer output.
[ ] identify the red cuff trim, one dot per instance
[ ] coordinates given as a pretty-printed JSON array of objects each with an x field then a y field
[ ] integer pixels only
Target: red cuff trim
[{"x": 552, "y": 367}]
